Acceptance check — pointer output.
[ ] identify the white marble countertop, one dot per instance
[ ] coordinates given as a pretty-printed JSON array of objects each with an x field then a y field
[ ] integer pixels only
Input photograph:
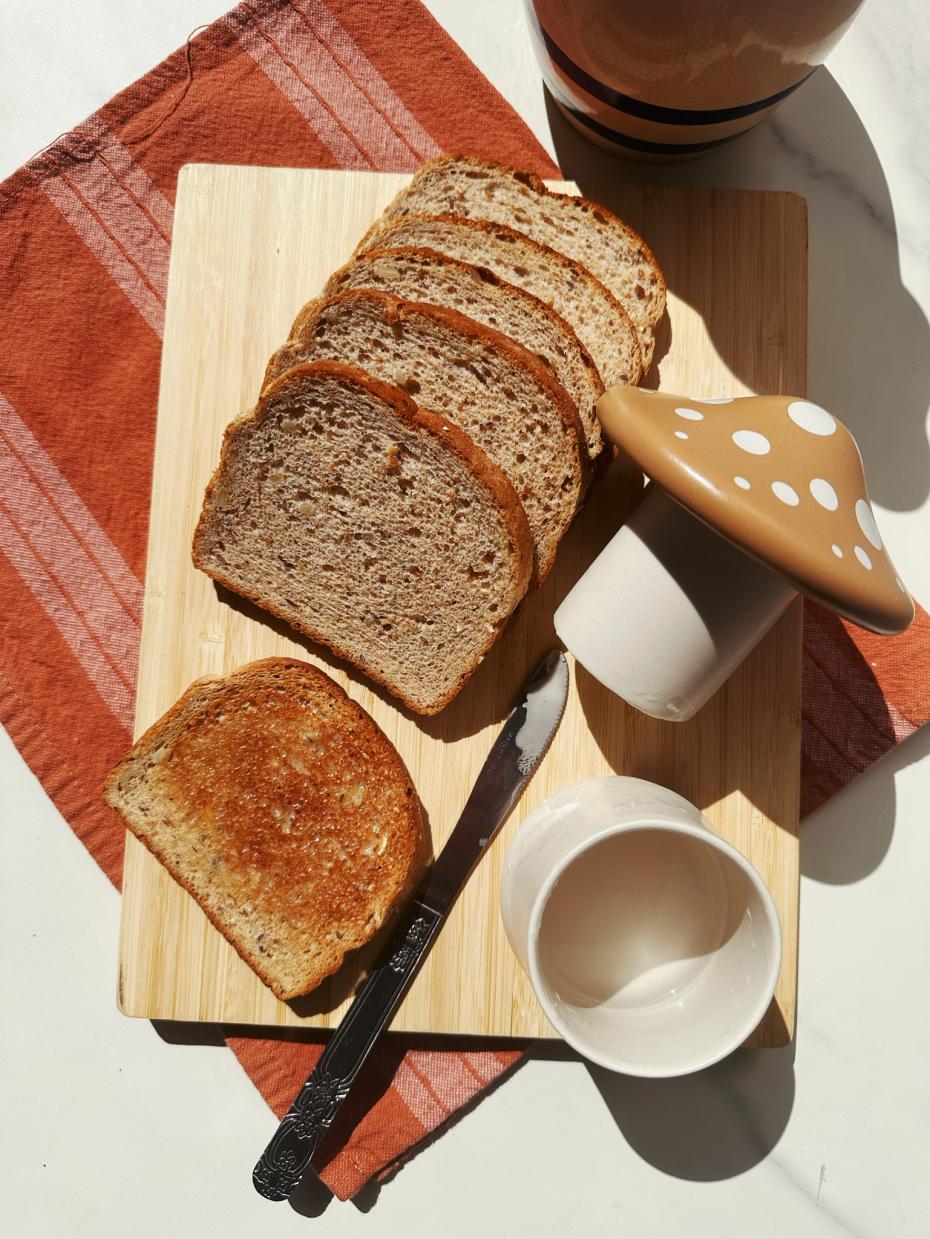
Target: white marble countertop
[{"x": 107, "y": 1129}]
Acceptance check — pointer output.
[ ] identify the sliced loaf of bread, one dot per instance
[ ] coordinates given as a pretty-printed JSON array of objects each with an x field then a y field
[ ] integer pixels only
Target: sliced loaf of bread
[
  {"x": 505, "y": 398},
  {"x": 282, "y": 807},
  {"x": 428, "y": 276},
  {"x": 371, "y": 525},
  {"x": 584, "y": 230},
  {"x": 591, "y": 310}
]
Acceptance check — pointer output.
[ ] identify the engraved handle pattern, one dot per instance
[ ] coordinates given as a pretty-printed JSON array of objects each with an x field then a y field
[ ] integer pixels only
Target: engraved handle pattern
[{"x": 283, "y": 1163}]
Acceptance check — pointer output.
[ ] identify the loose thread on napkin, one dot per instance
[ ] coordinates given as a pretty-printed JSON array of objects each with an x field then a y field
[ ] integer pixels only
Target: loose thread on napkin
[{"x": 86, "y": 153}]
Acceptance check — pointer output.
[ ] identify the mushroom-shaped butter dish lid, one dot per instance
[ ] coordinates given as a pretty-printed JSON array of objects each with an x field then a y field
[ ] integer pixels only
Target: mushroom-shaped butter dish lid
[{"x": 779, "y": 477}]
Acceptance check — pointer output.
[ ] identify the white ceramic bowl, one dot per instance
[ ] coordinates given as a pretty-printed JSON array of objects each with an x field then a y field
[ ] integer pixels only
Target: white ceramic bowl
[{"x": 652, "y": 944}]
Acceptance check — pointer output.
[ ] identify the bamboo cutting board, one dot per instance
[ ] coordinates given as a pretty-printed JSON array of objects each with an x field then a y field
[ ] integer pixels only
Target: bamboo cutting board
[{"x": 251, "y": 245}]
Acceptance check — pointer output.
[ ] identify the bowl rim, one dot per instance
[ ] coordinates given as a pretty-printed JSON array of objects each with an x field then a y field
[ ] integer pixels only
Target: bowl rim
[{"x": 707, "y": 835}]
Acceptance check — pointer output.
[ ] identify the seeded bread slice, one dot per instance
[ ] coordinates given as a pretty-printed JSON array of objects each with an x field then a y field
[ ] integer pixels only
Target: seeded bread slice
[
  {"x": 371, "y": 525},
  {"x": 585, "y": 231},
  {"x": 427, "y": 276},
  {"x": 504, "y": 398},
  {"x": 595, "y": 315},
  {"x": 285, "y": 811}
]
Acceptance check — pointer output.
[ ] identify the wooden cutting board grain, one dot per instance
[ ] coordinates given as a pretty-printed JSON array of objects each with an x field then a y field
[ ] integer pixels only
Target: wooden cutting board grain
[{"x": 251, "y": 245}]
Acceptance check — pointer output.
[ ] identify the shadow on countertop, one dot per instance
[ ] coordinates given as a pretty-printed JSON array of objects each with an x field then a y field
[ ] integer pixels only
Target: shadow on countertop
[
  {"x": 846, "y": 839},
  {"x": 869, "y": 342},
  {"x": 711, "y": 1125}
]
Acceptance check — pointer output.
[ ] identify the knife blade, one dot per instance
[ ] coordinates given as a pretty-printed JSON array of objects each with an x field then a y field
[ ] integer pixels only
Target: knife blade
[{"x": 511, "y": 763}]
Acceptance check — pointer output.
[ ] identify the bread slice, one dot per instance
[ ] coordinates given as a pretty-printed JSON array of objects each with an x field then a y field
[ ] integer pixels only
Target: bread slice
[
  {"x": 505, "y": 399},
  {"x": 595, "y": 315},
  {"x": 427, "y": 276},
  {"x": 281, "y": 806},
  {"x": 372, "y": 526},
  {"x": 585, "y": 231}
]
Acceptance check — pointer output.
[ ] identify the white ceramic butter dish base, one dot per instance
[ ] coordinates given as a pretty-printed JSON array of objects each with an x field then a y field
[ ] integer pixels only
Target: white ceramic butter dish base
[{"x": 668, "y": 610}]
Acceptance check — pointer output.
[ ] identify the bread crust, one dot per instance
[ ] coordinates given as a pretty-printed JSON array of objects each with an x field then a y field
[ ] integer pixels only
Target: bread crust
[
  {"x": 487, "y": 276},
  {"x": 491, "y": 476},
  {"x": 379, "y": 235},
  {"x": 601, "y": 213},
  {"x": 172, "y": 724},
  {"x": 474, "y": 273},
  {"x": 396, "y": 310}
]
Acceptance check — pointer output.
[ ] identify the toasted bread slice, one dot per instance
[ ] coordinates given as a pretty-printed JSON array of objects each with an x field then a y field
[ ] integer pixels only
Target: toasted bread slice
[{"x": 281, "y": 806}]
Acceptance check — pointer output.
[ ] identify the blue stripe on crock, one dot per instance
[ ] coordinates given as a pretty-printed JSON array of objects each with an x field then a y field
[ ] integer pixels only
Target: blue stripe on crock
[
  {"x": 653, "y": 111},
  {"x": 641, "y": 144}
]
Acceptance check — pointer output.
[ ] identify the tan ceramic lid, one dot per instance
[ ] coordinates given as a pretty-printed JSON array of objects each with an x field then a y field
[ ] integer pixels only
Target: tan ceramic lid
[{"x": 776, "y": 475}]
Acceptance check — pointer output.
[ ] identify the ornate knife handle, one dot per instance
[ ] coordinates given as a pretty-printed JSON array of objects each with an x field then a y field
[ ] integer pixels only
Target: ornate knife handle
[{"x": 281, "y": 1167}]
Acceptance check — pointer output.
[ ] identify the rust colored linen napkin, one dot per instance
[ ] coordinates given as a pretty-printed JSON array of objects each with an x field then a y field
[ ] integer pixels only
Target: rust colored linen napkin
[{"x": 85, "y": 230}]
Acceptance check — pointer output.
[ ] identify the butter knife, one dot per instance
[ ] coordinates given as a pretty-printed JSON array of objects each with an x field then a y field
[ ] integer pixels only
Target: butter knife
[{"x": 510, "y": 765}]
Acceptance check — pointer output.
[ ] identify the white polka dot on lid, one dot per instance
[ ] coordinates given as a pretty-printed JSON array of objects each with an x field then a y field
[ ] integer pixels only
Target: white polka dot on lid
[
  {"x": 824, "y": 493},
  {"x": 681, "y": 434},
  {"x": 692, "y": 415},
  {"x": 863, "y": 557},
  {"x": 751, "y": 441},
  {"x": 837, "y": 551},
  {"x": 811, "y": 417},
  {"x": 743, "y": 483},
  {"x": 866, "y": 519},
  {"x": 787, "y": 494},
  {"x": 715, "y": 400}
]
